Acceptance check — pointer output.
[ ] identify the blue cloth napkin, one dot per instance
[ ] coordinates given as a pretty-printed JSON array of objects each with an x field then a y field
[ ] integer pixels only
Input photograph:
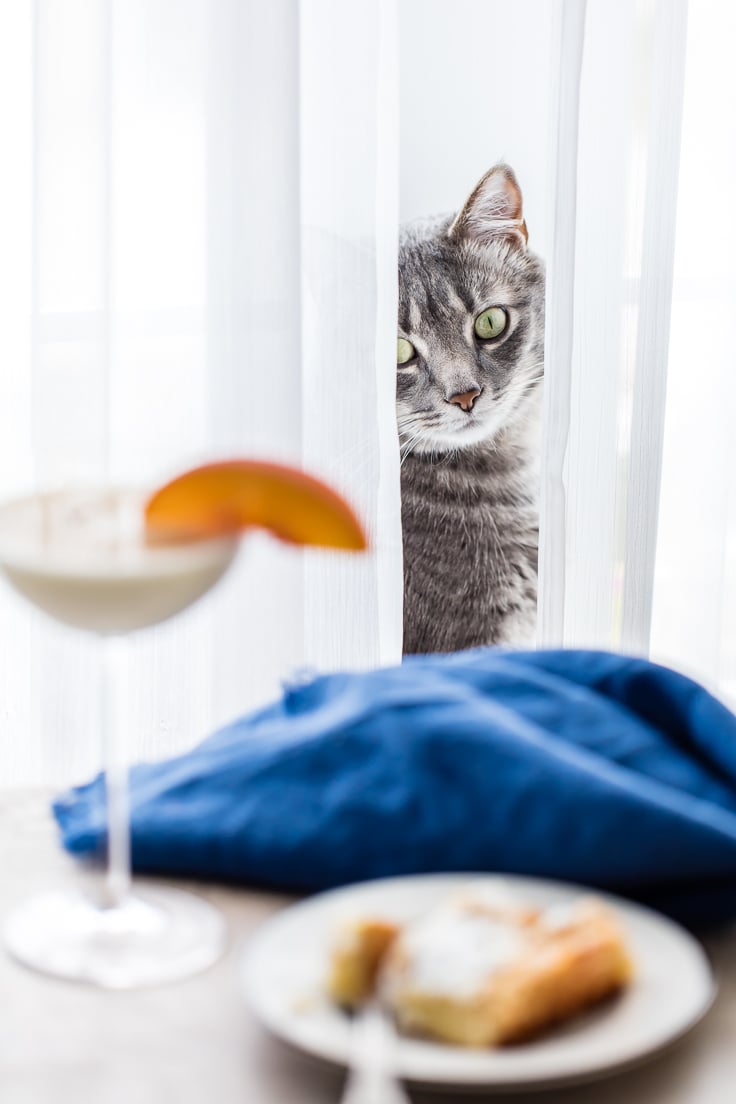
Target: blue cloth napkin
[{"x": 577, "y": 765}]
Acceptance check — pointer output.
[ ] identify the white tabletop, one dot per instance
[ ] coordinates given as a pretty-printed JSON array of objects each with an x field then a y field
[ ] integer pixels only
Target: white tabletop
[{"x": 196, "y": 1043}]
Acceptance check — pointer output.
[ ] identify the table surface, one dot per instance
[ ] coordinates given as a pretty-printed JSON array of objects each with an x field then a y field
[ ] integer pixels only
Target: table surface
[{"x": 195, "y": 1042}]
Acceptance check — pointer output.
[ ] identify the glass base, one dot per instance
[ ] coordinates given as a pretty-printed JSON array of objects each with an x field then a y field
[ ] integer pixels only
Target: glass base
[{"x": 156, "y": 935}]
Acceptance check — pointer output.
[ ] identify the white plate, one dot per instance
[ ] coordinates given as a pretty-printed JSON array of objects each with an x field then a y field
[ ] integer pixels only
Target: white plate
[{"x": 285, "y": 966}]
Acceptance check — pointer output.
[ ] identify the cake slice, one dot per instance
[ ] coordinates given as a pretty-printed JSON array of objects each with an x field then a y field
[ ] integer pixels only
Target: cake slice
[{"x": 478, "y": 974}]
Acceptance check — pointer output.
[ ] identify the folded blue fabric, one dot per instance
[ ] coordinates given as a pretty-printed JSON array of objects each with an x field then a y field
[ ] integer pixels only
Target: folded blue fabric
[{"x": 578, "y": 765}]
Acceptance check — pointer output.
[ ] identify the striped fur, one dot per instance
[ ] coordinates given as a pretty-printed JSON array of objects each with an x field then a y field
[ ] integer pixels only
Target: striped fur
[{"x": 469, "y": 478}]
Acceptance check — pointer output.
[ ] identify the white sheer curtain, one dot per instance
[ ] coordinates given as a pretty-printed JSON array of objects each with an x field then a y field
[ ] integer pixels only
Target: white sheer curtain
[
  {"x": 694, "y": 609},
  {"x": 198, "y": 204},
  {"x": 639, "y": 493},
  {"x": 608, "y": 375},
  {"x": 198, "y": 220}
]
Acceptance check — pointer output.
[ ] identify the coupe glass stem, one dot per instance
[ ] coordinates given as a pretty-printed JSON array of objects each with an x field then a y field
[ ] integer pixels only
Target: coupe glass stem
[
  {"x": 113, "y": 700},
  {"x": 117, "y": 936}
]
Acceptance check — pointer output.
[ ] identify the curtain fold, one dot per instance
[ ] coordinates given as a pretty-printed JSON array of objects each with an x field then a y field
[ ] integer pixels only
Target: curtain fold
[
  {"x": 559, "y": 321},
  {"x": 659, "y": 213},
  {"x": 612, "y": 402},
  {"x": 694, "y": 601},
  {"x": 213, "y": 233},
  {"x": 349, "y": 248}
]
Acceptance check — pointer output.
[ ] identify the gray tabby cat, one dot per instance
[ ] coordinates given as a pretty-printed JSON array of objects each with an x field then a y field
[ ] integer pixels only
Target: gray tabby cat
[{"x": 470, "y": 364}]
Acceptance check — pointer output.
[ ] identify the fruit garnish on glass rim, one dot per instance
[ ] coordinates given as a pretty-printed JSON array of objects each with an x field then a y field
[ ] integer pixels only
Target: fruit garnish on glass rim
[{"x": 229, "y": 496}]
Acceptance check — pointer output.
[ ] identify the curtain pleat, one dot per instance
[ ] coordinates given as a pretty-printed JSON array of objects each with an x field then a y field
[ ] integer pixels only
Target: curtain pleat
[
  {"x": 349, "y": 204},
  {"x": 559, "y": 331},
  {"x": 610, "y": 400},
  {"x": 644, "y": 468},
  {"x": 253, "y": 328},
  {"x": 694, "y": 608}
]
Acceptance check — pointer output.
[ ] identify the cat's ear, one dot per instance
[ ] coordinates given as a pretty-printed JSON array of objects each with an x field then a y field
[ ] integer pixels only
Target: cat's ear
[{"x": 493, "y": 210}]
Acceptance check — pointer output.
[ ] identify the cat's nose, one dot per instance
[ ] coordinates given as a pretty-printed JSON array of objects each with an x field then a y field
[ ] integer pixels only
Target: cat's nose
[{"x": 465, "y": 399}]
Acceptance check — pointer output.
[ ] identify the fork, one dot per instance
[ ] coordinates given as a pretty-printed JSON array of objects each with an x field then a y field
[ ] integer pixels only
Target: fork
[{"x": 372, "y": 1073}]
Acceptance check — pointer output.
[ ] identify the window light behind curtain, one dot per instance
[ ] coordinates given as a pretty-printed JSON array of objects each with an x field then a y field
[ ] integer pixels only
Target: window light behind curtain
[
  {"x": 209, "y": 190},
  {"x": 638, "y": 547},
  {"x": 608, "y": 330},
  {"x": 208, "y": 194}
]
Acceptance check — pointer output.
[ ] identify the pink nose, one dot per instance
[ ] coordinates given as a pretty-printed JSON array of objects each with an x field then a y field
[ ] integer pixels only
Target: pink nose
[{"x": 465, "y": 399}]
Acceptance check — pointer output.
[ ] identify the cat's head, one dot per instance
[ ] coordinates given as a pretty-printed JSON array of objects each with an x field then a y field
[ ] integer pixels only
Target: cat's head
[{"x": 471, "y": 321}]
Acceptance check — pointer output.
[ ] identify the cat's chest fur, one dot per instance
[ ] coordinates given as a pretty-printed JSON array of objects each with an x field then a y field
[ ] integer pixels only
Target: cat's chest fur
[{"x": 470, "y": 547}]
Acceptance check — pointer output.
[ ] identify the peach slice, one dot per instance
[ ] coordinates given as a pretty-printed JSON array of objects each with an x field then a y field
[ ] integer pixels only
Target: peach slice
[{"x": 234, "y": 495}]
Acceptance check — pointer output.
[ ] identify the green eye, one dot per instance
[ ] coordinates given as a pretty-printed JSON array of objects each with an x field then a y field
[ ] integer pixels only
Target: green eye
[
  {"x": 405, "y": 351},
  {"x": 491, "y": 323}
]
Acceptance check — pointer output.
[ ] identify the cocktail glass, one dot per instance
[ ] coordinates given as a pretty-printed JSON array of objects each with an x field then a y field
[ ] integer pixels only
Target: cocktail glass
[{"x": 81, "y": 557}]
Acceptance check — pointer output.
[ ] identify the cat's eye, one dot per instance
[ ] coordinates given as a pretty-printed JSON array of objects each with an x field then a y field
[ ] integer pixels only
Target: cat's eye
[
  {"x": 405, "y": 351},
  {"x": 491, "y": 323}
]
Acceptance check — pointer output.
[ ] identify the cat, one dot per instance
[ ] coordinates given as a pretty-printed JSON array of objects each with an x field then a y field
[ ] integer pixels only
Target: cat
[{"x": 470, "y": 361}]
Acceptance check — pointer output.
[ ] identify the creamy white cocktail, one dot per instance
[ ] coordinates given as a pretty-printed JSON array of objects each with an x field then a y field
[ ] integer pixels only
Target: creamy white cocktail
[
  {"x": 111, "y": 562},
  {"x": 84, "y": 558}
]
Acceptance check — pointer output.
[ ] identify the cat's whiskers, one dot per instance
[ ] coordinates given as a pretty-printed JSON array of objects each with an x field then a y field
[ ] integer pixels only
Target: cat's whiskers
[
  {"x": 412, "y": 433},
  {"x": 410, "y": 446},
  {"x": 514, "y": 396}
]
